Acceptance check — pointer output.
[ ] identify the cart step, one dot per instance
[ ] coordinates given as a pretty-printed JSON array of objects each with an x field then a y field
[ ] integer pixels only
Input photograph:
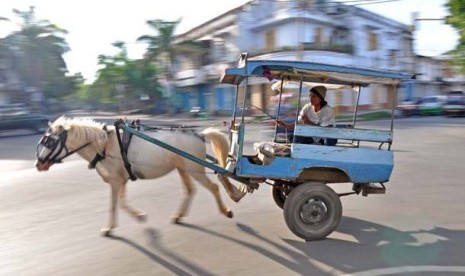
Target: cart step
[{"x": 373, "y": 189}]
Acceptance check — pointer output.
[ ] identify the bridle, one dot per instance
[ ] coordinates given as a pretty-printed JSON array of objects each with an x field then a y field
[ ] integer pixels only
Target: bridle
[{"x": 56, "y": 144}]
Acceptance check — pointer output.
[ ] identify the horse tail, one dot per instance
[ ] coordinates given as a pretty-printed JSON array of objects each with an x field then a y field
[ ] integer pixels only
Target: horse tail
[{"x": 220, "y": 146}]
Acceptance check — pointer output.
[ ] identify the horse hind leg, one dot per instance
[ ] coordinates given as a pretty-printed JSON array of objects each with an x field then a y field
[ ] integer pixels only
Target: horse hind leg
[
  {"x": 135, "y": 213},
  {"x": 234, "y": 193},
  {"x": 214, "y": 189},
  {"x": 189, "y": 193}
]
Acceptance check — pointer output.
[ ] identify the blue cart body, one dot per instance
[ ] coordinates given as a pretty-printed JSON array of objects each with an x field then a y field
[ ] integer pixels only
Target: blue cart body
[{"x": 343, "y": 162}]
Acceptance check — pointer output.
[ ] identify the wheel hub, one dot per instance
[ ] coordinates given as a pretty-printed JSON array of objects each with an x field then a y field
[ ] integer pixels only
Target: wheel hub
[{"x": 314, "y": 211}]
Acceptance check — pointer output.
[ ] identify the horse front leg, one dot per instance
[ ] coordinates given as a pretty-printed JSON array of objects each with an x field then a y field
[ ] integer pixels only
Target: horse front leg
[
  {"x": 189, "y": 192},
  {"x": 115, "y": 187},
  {"x": 139, "y": 215}
]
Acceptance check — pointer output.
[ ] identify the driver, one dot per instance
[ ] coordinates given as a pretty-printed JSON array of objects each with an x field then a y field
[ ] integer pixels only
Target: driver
[{"x": 316, "y": 112}]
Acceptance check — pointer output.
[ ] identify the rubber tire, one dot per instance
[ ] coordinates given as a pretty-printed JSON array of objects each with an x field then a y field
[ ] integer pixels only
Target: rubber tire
[
  {"x": 302, "y": 194},
  {"x": 278, "y": 196}
]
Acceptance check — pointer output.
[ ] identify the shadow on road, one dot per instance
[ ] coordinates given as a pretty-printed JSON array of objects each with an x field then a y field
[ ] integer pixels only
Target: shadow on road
[
  {"x": 362, "y": 246},
  {"x": 298, "y": 264},
  {"x": 154, "y": 240},
  {"x": 167, "y": 264},
  {"x": 370, "y": 246},
  {"x": 377, "y": 245}
]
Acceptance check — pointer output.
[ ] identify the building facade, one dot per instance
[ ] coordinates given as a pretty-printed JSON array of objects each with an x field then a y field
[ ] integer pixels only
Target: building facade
[{"x": 307, "y": 30}]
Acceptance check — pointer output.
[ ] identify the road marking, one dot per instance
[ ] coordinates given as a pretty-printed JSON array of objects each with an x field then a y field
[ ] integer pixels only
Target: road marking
[{"x": 407, "y": 269}]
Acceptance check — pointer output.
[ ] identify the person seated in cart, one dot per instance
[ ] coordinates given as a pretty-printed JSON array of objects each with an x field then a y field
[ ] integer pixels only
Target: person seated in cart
[{"x": 316, "y": 112}]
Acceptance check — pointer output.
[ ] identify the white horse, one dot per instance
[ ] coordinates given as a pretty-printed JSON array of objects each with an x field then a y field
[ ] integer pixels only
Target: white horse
[{"x": 98, "y": 144}]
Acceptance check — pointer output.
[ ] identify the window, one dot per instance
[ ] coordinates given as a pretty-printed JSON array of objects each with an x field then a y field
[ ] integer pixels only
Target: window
[
  {"x": 372, "y": 41},
  {"x": 318, "y": 36},
  {"x": 392, "y": 57},
  {"x": 270, "y": 40}
]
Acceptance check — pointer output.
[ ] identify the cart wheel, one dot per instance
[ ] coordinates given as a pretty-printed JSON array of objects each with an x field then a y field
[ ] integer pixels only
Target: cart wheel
[
  {"x": 312, "y": 211},
  {"x": 279, "y": 196}
]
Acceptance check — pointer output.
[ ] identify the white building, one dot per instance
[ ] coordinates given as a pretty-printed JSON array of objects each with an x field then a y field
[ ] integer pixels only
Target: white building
[{"x": 308, "y": 30}]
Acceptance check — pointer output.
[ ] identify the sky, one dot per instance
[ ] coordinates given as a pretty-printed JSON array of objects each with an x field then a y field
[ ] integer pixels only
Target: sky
[{"x": 93, "y": 25}]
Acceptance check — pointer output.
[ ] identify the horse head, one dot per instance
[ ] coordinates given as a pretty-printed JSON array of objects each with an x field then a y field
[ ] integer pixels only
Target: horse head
[{"x": 64, "y": 137}]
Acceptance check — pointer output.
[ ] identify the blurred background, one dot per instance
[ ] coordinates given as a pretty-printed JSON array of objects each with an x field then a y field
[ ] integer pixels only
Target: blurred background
[
  {"x": 164, "y": 59},
  {"x": 169, "y": 60}
]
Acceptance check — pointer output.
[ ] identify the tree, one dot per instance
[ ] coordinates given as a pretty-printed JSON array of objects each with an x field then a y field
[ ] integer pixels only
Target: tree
[
  {"x": 457, "y": 20},
  {"x": 163, "y": 48},
  {"x": 122, "y": 78},
  {"x": 36, "y": 54},
  {"x": 4, "y": 51}
]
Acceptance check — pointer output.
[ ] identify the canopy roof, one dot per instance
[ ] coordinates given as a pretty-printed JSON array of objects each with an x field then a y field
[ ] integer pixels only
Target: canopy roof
[{"x": 313, "y": 73}]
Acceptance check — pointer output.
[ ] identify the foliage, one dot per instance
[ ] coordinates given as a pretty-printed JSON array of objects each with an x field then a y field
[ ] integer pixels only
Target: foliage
[
  {"x": 457, "y": 20},
  {"x": 164, "y": 47},
  {"x": 36, "y": 54},
  {"x": 123, "y": 78}
]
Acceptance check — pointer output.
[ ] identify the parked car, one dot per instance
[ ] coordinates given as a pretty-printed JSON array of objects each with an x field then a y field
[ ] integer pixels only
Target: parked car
[
  {"x": 409, "y": 107},
  {"x": 431, "y": 105},
  {"x": 455, "y": 104},
  {"x": 17, "y": 116}
]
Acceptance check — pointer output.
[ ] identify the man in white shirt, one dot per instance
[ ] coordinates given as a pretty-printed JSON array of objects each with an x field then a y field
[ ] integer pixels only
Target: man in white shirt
[{"x": 316, "y": 112}]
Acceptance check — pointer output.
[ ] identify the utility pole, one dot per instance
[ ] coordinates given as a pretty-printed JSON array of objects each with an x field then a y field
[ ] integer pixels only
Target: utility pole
[{"x": 415, "y": 20}]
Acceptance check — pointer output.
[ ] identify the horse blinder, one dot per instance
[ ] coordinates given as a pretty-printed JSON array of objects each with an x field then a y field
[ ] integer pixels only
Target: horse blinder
[{"x": 52, "y": 142}]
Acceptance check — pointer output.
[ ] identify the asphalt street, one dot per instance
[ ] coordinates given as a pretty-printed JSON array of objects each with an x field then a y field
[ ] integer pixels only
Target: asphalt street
[{"x": 50, "y": 221}]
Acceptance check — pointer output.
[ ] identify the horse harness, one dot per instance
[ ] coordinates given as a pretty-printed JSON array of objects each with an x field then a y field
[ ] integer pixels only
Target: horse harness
[
  {"x": 124, "y": 139},
  {"x": 56, "y": 143}
]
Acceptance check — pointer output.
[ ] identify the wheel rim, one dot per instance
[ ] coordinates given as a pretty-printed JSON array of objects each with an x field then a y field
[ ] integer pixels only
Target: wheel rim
[{"x": 313, "y": 212}]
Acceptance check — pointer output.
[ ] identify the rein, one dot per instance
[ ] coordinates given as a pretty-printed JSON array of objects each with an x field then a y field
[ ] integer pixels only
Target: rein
[
  {"x": 98, "y": 157},
  {"x": 52, "y": 142},
  {"x": 183, "y": 128}
]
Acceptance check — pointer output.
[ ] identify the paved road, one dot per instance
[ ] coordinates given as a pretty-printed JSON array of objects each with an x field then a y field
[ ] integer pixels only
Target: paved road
[{"x": 50, "y": 221}]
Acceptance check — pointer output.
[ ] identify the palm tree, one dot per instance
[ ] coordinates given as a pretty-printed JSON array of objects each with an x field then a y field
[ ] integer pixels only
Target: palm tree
[
  {"x": 39, "y": 47},
  {"x": 162, "y": 48},
  {"x": 35, "y": 53}
]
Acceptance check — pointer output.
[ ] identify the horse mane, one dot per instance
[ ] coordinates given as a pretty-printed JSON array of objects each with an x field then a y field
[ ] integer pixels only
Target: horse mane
[{"x": 84, "y": 130}]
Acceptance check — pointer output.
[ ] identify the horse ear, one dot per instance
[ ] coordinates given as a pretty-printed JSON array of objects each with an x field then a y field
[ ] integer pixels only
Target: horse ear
[{"x": 63, "y": 128}]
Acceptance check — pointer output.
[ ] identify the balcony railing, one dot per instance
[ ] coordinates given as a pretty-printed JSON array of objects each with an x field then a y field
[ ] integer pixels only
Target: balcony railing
[{"x": 330, "y": 47}]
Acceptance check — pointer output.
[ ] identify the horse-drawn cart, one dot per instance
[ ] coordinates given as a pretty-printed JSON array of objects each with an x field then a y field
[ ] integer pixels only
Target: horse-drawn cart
[{"x": 299, "y": 173}]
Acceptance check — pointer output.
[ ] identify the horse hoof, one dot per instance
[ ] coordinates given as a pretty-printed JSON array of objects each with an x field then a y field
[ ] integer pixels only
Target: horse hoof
[
  {"x": 176, "y": 220},
  {"x": 106, "y": 232},
  {"x": 238, "y": 196},
  {"x": 142, "y": 217},
  {"x": 229, "y": 213}
]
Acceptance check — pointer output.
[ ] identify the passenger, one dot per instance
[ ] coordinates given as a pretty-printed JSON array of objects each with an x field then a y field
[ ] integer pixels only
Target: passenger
[{"x": 316, "y": 112}]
